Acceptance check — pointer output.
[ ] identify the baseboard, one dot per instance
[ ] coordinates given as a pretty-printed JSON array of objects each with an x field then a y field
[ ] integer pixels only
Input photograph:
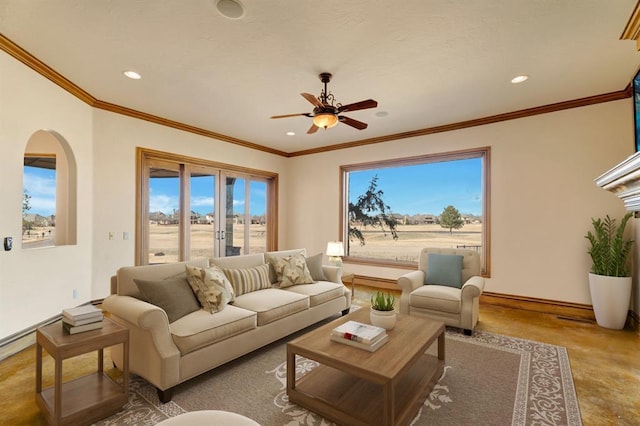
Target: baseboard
[
  {"x": 6, "y": 342},
  {"x": 634, "y": 321},
  {"x": 374, "y": 282},
  {"x": 545, "y": 306}
]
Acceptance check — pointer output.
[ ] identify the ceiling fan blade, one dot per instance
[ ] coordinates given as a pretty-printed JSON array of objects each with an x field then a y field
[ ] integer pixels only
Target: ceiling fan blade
[
  {"x": 353, "y": 123},
  {"x": 314, "y": 101},
  {"x": 369, "y": 103},
  {"x": 291, "y": 115},
  {"x": 312, "y": 129}
]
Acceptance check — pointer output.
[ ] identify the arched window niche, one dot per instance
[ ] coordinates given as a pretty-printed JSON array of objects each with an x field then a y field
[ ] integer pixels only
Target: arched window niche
[{"x": 49, "y": 209}]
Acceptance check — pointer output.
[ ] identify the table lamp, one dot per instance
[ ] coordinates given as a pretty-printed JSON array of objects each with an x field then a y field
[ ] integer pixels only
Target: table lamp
[{"x": 335, "y": 251}]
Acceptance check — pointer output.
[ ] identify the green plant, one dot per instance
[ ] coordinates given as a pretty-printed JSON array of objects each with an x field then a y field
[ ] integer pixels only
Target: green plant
[
  {"x": 609, "y": 249},
  {"x": 383, "y": 301}
]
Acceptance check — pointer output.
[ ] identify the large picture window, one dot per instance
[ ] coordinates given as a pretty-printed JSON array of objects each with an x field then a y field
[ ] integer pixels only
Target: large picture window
[
  {"x": 392, "y": 209},
  {"x": 192, "y": 208}
]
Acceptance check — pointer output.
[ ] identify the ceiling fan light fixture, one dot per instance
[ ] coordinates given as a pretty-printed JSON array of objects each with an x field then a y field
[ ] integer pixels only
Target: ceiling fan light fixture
[{"x": 325, "y": 120}]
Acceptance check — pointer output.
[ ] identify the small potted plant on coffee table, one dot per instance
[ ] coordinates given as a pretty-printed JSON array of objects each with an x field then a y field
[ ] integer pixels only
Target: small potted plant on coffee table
[{"x": 383, "y": 313}]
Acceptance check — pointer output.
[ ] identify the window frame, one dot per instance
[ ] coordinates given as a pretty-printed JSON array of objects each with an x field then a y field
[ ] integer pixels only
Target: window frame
[
  {"x": 482, "y": 152},
  {"x": 145, "y": 157}
]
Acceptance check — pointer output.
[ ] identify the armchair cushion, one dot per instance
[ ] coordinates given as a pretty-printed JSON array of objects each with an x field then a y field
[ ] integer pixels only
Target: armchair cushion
[
  {"x": 439, "y": 298},
  {"x": 174, "y": 296},
  {"x": 444, "y": 269}
]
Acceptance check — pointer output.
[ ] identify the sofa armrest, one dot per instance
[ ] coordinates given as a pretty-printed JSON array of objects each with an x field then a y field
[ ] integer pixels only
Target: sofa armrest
[
  {"x": 333, "y": 273},
  {"x": 153, "y": 354},
  {"x": 472, "y": 288},
  {"x": 407, "y": 283}
]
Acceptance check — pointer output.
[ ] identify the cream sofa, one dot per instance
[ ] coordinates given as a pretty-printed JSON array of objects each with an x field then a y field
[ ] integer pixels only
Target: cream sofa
[{"x": 167, "y": 354}]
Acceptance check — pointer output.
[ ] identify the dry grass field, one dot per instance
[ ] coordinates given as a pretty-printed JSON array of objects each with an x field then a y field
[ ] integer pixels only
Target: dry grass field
[
  {"x": 411, "y": 238},
  {"x": 39, "y": 236}
]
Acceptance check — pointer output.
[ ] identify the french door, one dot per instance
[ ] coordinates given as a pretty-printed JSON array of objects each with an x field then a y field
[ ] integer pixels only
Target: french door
[{"x": 191, "y": 211}]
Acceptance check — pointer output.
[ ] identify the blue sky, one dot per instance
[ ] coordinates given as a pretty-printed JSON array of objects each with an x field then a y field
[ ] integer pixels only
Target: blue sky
[
  {"x": 426, "y": 188},
  {"x": 41, "y": 186},
  {"x": 164, "y": 195},
  {"x": 421, "y": 189}
]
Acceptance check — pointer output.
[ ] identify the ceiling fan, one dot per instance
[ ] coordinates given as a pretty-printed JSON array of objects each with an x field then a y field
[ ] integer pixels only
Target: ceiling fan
[{"x": 326, "y": 114}]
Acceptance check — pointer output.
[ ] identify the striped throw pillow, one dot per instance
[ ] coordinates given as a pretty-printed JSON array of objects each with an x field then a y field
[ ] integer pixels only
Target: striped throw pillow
[{"x": 249, "y": 279}]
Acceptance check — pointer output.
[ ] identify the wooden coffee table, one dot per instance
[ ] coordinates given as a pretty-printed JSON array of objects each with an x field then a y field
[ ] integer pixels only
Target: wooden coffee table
[{"x": 356, "y": 387}]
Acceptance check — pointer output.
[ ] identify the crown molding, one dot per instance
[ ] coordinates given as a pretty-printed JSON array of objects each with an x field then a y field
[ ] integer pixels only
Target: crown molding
[
  {"x": 528, "y": 112},
  {"x": 632, "y": 29},
  {"x": 40, "y": 67}
]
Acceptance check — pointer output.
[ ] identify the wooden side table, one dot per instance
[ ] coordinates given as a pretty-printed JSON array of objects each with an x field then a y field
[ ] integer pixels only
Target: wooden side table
[
  {"x": 86, "y": 399},
  {"x": 351, "y": 278}
]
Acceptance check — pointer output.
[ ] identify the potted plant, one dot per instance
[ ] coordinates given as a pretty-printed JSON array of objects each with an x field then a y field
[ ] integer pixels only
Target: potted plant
[
  {"x": 609, "y": 279},
  {"x": 383, "y": 313}
]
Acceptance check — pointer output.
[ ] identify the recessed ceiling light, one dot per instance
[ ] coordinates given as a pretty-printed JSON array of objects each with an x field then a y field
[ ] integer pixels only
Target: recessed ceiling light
[
  {"x": 519, "y": 79},
  {"x": 290, "y": 133},
  {"x": 231, "y": 9},
  {"x": 132, "y": 75}
]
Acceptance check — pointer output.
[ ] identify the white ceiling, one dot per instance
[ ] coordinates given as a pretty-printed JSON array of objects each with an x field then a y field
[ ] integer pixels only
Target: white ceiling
[{"x": 426, "y": 62}]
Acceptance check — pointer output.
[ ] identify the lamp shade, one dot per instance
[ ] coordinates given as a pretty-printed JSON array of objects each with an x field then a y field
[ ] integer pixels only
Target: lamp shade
[
  {"x": 335, "y": 248},
  {"x": 325, "y": 120}
]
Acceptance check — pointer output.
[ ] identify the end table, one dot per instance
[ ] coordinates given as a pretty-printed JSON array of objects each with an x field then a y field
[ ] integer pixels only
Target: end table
[{"x": 86, "y": 399}]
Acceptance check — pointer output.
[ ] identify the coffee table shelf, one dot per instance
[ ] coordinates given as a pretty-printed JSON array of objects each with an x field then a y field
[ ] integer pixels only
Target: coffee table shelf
[{"x": 356, "y": 387}]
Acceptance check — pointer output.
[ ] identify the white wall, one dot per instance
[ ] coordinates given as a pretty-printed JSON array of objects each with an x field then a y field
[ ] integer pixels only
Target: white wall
[
  {"x": 36, "y": 284},
  {"x": 543, "y": 194}
]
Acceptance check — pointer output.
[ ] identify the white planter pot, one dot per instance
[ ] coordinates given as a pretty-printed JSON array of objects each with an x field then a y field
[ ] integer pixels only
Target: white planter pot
[
  {"x": 610, "y": 297},
  {"x": 384, "y": 319}
]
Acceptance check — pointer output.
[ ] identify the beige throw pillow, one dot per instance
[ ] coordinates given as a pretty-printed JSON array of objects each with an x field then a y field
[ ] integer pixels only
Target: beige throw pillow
[
  {"x": 291, "y": 270},
  {"x": 249, "y": 279},
  {"x": 211, "y": 286}
]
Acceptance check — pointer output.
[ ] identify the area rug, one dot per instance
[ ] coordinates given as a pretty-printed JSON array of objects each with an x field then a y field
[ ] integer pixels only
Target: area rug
[{"x": 488, "y": 379}]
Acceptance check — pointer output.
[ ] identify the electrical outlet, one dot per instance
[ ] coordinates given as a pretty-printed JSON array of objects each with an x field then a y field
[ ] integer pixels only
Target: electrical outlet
[
  {"x": 125, "y": 235},
  {"x": 75, "y": 294}
]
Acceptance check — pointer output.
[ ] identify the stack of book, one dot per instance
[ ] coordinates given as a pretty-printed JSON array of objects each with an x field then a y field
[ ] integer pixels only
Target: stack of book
[
  {"x": 364, "y": 336},
  {"x": 81, "y": 318}
]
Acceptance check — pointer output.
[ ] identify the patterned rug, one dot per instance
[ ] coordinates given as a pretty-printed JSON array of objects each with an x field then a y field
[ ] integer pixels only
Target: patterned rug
[{"x": 488, "y": 379}]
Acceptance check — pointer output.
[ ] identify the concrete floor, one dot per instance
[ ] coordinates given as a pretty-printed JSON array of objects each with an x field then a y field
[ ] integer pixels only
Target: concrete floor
[{"x": 605, "y": 365}]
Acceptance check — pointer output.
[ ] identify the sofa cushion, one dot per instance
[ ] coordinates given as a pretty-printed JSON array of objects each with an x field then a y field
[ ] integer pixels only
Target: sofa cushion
[
  {"x": 200, "y": 329},
  {"x": 174, "y": 296},
  {"x": 314, "y": 263},
  {"x": 440, "y": 298},
  {"x": 269, "y": 256},
  {"x": 291, "y": 270},
  {"x": 272, "y": 304},
  {"x": 319, "y": 292},
  {"x": 211, "y": 287},
  {"x": 444, "y": 269},
  {"x": 248, "y": 279}
]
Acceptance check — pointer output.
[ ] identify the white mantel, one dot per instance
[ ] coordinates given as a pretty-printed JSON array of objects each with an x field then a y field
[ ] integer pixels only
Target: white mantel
[{"x": 624, "y": 181}]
